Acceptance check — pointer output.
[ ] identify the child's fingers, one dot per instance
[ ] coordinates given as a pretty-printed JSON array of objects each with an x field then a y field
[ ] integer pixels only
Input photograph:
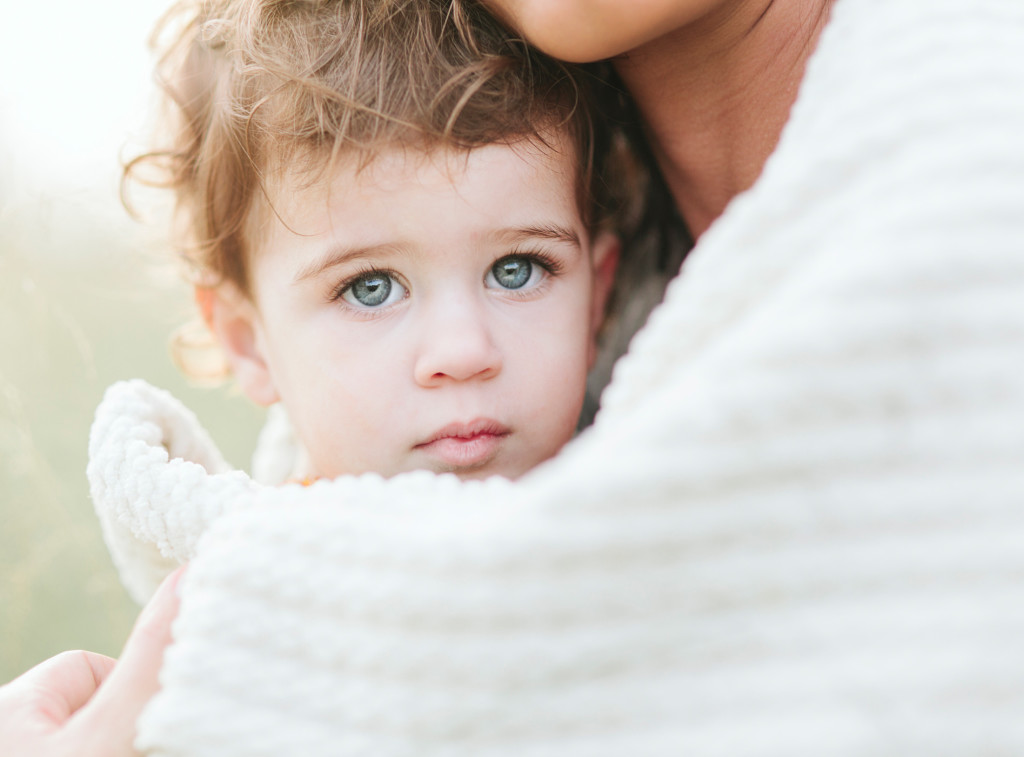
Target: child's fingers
[{"x": 113, "y": 711}]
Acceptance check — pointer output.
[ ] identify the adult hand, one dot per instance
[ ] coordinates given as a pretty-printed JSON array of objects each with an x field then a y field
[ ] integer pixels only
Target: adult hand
[{"x": 85, "y": 704}]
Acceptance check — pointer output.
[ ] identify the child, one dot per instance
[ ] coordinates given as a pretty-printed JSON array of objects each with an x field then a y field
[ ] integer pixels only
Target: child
[{"x": 401, "y": 229}]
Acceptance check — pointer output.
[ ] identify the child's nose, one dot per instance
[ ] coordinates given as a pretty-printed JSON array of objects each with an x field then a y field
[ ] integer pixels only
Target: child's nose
[{"x": 456, "y": 345}]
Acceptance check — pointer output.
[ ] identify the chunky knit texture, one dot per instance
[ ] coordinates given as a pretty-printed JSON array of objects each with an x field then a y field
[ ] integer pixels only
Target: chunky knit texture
[{"x": 796, "y": 528}]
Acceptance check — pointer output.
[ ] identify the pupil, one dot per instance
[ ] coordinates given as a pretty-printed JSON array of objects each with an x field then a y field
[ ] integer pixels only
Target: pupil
[
  {"x": 372, "y": 291},
  {"x": 513, "y": 273}
]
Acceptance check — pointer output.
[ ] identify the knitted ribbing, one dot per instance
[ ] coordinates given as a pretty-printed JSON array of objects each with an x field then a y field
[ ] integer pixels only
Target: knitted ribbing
[
  {"x": 157, "y": 480},
  {"x": 795, "y": 528}
]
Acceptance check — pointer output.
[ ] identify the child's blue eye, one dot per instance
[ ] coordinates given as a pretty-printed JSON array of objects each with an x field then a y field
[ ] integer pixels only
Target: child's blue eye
[
  {"x": 513, "y": 272},
  {"x": 371, "y": 290}
]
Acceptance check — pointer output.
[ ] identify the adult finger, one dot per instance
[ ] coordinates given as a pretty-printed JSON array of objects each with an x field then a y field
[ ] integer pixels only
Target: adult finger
[
  {"x": 56, "y": 688},
  {"x": 43, "y": 699},
  {"x": 112, "y": 712}
]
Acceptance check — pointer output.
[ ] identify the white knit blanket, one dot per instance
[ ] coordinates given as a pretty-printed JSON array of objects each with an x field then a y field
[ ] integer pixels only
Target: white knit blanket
[{"x": 796, "y": 528}]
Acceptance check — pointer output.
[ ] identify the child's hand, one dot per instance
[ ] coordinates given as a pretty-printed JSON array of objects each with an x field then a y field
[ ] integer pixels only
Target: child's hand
[{"x": 85, "y": 704}]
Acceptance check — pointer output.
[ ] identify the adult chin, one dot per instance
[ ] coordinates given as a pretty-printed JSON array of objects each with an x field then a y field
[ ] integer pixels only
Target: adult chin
[{"x": 582, "y": 31}]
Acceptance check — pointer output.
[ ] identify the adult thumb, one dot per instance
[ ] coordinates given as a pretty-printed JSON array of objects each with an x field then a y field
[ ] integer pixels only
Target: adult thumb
[{"x": 108, "y": 720}]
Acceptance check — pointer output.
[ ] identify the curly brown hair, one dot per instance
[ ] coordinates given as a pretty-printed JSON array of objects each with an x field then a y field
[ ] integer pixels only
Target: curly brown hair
[{"x": 254, "y": 84}]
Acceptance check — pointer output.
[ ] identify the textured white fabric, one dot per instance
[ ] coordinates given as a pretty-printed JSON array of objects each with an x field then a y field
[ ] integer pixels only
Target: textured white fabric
[
  {"x": 157, "y": 480},
  {"x": 796, "y": 528}
]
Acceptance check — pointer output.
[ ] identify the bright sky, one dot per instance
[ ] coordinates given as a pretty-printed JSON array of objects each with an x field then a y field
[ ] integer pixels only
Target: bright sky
[{"x": 75, "y": 91}]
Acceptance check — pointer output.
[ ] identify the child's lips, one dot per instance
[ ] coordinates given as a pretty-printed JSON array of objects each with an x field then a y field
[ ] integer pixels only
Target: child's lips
[{"x": 466, "y": 445}]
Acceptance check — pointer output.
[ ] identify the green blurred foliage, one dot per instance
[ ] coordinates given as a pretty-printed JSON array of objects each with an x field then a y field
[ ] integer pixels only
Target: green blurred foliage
[{"x": 80, "y": 307}]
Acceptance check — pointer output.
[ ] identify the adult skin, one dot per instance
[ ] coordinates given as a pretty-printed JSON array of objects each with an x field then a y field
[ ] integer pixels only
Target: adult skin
[
  {"x": 713, "y": 79},
  {"x": 80, "y": 704}
]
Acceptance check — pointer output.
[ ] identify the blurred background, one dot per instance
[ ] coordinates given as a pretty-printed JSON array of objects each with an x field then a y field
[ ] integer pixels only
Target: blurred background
[{"x": 87, "y": 296}]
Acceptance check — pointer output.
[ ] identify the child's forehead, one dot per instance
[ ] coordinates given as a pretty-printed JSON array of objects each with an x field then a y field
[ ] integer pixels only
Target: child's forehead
[
  {"x": 413, "y": 198},
  {"x": 394, "y": 166}
]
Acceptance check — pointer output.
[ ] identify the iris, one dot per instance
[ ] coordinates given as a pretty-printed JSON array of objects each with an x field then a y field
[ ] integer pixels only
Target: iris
[
  {"x": 512, "y": 273},
  {"x": 371, "y": 290}
]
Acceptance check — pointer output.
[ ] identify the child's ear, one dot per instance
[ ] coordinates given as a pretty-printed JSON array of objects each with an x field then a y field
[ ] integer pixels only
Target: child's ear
[
  {"x": 234, "y": 320},
  {"x": 605, "y": 251}
]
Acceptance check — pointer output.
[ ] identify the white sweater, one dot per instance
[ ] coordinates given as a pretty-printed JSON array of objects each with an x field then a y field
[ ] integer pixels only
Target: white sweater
[{"x": 796, "y": 528}]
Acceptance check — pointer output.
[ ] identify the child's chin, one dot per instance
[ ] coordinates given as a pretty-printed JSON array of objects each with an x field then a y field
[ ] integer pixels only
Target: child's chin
[
  {"x": 480, "y": 475},
  {"x": 492, "y": 468}
]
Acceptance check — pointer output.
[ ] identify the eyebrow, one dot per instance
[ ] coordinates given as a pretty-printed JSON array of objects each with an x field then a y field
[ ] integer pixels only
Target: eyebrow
[
  {"x": 543, "y": 231},
  {"x": 342, "y": 254}
]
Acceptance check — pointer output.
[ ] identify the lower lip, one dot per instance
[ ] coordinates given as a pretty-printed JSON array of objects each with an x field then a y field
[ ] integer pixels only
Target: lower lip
[{"x": 464, "y": 452}]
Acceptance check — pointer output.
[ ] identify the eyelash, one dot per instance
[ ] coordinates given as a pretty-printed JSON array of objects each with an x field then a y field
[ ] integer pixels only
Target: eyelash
[{"x": 552, "y": 265}]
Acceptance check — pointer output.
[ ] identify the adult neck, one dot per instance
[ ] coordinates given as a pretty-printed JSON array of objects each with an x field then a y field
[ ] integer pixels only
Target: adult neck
[{"x": 716, "y": 92}]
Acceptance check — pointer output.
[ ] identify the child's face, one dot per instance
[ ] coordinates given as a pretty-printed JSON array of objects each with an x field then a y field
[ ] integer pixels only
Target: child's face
[{"x": 434, "y": 311}]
